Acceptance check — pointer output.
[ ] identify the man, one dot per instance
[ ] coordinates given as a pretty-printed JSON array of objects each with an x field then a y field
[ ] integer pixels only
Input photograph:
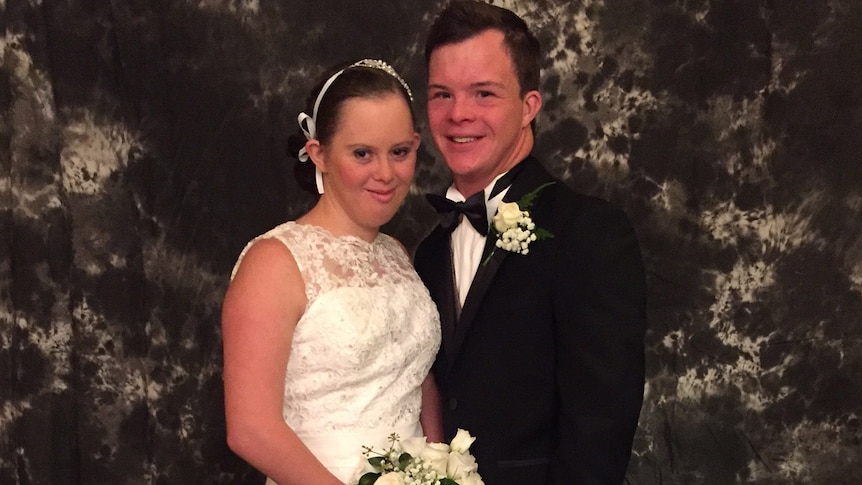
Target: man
[{"x": 543, "y": 342}]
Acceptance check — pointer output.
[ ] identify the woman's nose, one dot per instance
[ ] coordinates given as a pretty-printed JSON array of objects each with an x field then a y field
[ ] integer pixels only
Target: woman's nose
[{"x": 384, "y": 169}]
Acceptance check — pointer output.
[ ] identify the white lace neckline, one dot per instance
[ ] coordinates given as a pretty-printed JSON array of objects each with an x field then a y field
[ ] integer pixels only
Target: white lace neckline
[{"x": 346, "y": 237}]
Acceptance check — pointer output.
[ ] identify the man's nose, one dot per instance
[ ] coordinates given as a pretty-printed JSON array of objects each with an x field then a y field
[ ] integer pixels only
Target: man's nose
[{"x": 461, "y": 109}]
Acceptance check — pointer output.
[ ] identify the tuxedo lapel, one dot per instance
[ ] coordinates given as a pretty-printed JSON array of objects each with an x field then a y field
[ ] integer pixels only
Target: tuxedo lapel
[
  {"x": 530, "y": 177},
  {"x": 441, "y": 284},
  {"x": 476, "y": 294}
]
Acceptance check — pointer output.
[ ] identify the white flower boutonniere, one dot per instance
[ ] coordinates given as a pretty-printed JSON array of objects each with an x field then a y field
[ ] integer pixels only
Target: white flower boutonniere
[
  {"x": 514, "y": 226},
  {"x": 416, "y": 462}
]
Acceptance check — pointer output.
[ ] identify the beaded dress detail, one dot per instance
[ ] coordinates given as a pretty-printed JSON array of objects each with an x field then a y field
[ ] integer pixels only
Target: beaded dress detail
[{"x": 362, "y": 348}]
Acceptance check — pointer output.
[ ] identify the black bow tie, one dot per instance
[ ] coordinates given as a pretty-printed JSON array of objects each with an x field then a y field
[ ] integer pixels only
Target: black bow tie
[
  {"x": 450, "y": 211},
  {"x": 474, "y": 207}
]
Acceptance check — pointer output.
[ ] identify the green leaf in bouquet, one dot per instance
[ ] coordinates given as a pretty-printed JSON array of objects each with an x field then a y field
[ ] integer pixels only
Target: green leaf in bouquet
[
  {"x": 448, "y": 481},
  {"x": 404, "y": 461},
  {"x": 527, "y": 200},
  {"x": 376, "y": 462},
  {"x": 542, "y": 233},
  {"x": 369, "y": 478}
]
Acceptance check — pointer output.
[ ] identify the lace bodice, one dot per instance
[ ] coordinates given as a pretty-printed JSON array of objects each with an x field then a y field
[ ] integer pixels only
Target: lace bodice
[{"x": 367, "y": 338}]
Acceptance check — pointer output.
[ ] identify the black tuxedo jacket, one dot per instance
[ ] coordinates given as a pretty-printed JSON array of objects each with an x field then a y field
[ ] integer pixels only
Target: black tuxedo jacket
[{"x": 545, "y": 365}]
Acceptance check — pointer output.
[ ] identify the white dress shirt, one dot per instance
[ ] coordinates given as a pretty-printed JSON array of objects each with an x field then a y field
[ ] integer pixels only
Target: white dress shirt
[{"x": 467, "y": 243}]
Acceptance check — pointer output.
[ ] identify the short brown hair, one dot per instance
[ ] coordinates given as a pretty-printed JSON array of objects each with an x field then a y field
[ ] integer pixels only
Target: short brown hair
[{"x": 463, "y": 19}]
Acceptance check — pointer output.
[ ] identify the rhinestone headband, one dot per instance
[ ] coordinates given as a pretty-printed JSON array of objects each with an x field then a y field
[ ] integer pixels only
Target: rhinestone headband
[
  {"x": 383, "y": 66},
  {"x": 307, "y": 123}
]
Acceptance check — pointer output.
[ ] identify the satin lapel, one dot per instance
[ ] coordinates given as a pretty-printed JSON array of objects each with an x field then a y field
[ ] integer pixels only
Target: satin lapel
[
  {"x": 481, "y": 283},
  {"x": 443, "y": 287},
  {"x": 532, "y": 176}
]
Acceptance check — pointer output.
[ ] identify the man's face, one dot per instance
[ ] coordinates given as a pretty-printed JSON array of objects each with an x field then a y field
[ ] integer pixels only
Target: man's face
[{"x": 477, "y": 116}]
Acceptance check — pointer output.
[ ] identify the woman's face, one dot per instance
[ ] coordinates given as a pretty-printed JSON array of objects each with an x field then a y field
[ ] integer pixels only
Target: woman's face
[{"x": 368, "y": 164}]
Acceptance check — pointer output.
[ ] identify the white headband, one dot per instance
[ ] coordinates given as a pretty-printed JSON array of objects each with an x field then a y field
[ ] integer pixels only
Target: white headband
[{"x": 307, "y": 123}]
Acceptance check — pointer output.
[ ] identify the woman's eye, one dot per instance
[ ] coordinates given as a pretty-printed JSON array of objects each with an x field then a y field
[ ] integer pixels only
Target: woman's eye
[
  {"x": 361, "y": 153},
  {"x": 401, "y": 152}
]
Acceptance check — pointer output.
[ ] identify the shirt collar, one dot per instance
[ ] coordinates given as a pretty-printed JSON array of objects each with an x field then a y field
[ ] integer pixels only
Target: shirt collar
[{"x": 490, "y": 204}]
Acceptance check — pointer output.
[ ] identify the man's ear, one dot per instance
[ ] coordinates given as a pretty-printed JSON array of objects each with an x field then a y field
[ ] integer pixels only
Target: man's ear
[
  {"x": 532, "y": 105},
  {"x": 317, "y": 154}
]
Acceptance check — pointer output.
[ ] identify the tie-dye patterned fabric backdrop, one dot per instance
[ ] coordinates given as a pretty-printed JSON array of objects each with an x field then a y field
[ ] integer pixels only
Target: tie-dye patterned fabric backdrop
[{"x": 142, "y": 143}]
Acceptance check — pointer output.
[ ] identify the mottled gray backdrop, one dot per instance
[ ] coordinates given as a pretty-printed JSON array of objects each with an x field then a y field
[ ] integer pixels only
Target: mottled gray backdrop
[{"x": 142, "y": 143}]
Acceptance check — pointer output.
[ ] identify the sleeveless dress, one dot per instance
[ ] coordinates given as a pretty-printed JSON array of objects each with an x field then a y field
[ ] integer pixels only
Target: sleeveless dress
[{"x": 362, "y": 348}]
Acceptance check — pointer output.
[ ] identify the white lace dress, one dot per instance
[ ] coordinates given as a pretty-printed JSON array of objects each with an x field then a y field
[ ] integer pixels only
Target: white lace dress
[{"x": 362, "y": 348}]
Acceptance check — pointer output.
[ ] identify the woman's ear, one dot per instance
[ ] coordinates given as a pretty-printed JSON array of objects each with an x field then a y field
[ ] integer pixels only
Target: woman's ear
[{"x": 317, "y": 154}]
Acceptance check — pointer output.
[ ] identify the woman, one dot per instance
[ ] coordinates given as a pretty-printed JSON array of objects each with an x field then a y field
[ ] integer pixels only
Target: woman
[{"x": 329, "y": 334}]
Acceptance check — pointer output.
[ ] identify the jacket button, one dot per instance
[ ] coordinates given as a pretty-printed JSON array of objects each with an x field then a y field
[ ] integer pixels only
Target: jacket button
[{"x": 453, "y": 403}]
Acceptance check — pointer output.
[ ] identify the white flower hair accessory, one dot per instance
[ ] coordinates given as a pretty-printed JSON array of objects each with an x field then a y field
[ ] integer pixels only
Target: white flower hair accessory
[
  {"x": 514, "y": 226},
  {"x": 307, "y": 123}
]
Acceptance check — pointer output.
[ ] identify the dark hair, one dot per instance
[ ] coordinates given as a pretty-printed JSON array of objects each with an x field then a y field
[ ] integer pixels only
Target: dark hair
[
  {"x": 354, "y": 82},
  {"x": 463, "y": 19}
]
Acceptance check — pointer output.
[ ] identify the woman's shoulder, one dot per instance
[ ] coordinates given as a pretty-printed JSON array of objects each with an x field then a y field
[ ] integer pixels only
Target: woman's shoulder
[
  {"x": 264, "y": 256},
  {"x": 271, "y": 245}
]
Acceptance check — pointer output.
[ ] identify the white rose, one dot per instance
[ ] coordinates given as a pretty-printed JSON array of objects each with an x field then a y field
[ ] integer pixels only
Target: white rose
[
  {"x": 414, "y": 445},
  {"x": 508, "y": 215},
  {"x": 462, "y": 441},
  {"x": 390, "y": 478},
  {"x": 437, "y": 455},
  {"x": 471, "y": 479},
  {"x": 460, "y": 465}
]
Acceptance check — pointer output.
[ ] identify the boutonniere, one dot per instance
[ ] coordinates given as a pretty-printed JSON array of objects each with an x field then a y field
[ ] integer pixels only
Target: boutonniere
[{"x": 514, "y": 227}]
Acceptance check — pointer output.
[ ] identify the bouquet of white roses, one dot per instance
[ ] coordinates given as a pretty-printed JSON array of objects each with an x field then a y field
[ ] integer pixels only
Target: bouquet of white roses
[{"x": 414, "y": 461}]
